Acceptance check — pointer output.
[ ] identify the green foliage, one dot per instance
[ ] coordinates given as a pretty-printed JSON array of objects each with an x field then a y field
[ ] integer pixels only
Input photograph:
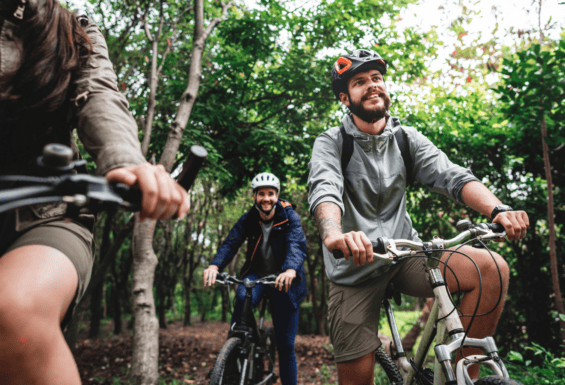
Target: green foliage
[
  {"x": 551, "y": 369},
  {"x": 326, "y": 373},
  {"x": 532, "y": 88},
  {"x": 267, "y": 95}
]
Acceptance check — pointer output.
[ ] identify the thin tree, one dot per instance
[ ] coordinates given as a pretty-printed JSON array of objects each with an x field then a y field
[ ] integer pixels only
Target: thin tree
[
  {"x": 550, "y": 212},
  {"x": 145, "y": 353}
]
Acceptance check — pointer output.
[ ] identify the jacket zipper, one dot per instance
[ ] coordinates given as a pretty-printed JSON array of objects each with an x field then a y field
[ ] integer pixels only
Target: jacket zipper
[{"x": 255, "y": 249}]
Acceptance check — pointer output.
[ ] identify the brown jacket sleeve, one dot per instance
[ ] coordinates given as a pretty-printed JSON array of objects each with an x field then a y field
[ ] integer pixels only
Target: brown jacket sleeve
[{"x": 105, "y": 125}]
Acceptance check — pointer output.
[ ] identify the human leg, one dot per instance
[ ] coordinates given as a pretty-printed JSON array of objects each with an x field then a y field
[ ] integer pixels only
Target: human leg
[
  {"x": 285, "y": 322},
  {"x": 359, "y": 371},
  {"x": 353, "y": 318},
  {"x": 488, "y": 295},
  {"x": 44, "y": 272},
  {"x": 37, "y": 286}
]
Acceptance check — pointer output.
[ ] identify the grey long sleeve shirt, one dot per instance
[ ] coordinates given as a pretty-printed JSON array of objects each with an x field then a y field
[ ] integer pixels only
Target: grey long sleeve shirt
[{"x": 372, "y": 196}]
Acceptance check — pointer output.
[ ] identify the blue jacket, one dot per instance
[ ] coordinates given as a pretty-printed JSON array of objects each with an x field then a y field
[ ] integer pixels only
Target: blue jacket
[{"x": 287, "y": 240}]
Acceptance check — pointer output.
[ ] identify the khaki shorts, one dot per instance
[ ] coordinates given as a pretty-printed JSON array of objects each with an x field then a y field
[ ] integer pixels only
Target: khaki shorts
[
  {"x": 353, "y": 311},
  {"x": 71, "y": 238}
]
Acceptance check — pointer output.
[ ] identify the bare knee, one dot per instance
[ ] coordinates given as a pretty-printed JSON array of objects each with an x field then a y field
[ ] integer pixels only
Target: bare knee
[
  {"x": 495, "y": 271},
  {"x": 26, "y": 330},
  {"x": 357, "y": 372}
]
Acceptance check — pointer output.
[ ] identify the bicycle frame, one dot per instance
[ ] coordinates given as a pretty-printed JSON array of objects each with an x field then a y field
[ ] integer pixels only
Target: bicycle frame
[
  {"x": 444, "y": 324},
  {"x": 248, "y": 331}
]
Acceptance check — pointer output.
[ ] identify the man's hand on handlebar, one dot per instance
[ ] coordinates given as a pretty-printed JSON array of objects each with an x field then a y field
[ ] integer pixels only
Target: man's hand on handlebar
[
  {"x": 353, "y": 244},
  {"x": 284, "y": 280},
  {"x": 162, "y": 197},
  {"x": 210, "y": 275},
  {"x": 515, "y": 223}
]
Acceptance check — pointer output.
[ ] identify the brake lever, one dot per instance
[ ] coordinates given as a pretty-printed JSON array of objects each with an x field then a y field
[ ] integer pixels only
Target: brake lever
[{"x": 385, "y": 256}]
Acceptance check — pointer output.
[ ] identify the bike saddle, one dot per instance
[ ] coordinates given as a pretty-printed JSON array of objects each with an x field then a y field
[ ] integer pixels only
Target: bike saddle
[{"x": 392, "y": 293}]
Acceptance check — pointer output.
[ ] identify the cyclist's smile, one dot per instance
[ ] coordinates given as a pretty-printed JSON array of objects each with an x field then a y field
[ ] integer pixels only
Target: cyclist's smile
[
  {"x": 368, "y": 98},
  {"x": 266, "y": 198}
]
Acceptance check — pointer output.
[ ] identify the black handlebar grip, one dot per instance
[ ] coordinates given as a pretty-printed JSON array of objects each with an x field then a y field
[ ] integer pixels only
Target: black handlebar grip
[
  {"x": 338, "y": 254},
  {"x": 496, "y": 227},
  {"x": 192, "y": 166},
  {"x": 379, "y": 246},
  {"x": 130, "y": 195}
]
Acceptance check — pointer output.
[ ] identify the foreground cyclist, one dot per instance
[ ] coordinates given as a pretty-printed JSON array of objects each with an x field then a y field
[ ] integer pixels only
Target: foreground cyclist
[
  {"x": 276, "y": 245},
  {"x": 55, "y": 75},
  {"x": 368, "y": 200}
]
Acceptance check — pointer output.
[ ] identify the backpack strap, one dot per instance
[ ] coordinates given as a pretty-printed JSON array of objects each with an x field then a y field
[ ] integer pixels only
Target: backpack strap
[
  {"x": 346, "y": 149},
  {"x": 402, "y": 142}
]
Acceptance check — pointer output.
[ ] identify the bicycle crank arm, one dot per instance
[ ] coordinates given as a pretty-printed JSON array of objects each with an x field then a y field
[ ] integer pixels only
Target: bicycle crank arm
[{"x": 266, "y": 379}]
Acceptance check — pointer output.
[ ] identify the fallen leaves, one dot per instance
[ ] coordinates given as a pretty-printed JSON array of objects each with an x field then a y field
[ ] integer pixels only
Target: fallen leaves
[{"x": 187, "y": 354}]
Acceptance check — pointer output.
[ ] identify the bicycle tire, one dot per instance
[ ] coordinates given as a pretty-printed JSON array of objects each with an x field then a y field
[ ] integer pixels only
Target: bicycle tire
[
  {"x": 496, "y": 380},
  {"x": 265, "y": 359},
  {"x": 228, "y": 365},
  {"x": 389, "y": 367}
]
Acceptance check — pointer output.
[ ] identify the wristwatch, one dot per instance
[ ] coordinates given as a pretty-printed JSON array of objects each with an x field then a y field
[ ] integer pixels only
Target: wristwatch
[{"x": 500, "y": 209}]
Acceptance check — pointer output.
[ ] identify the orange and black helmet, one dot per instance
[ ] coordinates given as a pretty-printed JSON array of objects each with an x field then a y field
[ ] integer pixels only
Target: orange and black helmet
[{"x": 356, "y": 61}]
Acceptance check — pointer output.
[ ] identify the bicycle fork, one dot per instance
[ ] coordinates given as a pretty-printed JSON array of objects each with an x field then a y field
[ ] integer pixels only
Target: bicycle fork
[{"x": 450, "y": 327}]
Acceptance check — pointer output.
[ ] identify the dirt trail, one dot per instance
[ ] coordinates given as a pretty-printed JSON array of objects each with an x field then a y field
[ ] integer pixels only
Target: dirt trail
[{"x": 188, "y": 353}]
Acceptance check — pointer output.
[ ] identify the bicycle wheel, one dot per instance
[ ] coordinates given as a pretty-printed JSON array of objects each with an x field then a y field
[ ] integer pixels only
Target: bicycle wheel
[
  {"x": 265, "y": 359},
  {"x": 229, "y": 364},
  {"x": 389, "y": 367},
  {"x": 496, "y": 380}
]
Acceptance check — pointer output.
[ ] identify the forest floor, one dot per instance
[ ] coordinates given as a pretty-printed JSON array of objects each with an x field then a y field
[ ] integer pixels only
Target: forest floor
[{"x": 186, "y": 355}]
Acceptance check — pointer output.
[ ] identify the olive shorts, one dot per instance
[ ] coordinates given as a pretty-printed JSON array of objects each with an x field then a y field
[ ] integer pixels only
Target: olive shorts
[
  {"x": 353, "y": 311},
  {"x": 69, "y": 237}
]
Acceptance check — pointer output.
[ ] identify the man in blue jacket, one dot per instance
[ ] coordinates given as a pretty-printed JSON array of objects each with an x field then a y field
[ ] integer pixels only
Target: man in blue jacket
[{"x": 276, "y": 244}]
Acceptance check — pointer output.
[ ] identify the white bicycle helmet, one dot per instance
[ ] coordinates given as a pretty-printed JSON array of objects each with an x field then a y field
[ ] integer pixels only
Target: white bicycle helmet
[{"x": 265, "y": 179}]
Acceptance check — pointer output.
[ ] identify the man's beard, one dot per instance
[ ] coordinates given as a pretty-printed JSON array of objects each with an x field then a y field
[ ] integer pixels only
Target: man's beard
[{"x": 373, "y": 115}]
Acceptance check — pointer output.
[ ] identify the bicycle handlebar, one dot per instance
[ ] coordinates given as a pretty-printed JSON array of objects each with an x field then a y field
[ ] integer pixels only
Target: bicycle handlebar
[
  {"x": 226, "y": 279},
  {"x": 382, "y": 246},
  {"x": 83, "y": 189}
]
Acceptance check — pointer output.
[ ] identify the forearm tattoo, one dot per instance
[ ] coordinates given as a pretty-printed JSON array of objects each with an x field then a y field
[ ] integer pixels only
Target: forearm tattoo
[{"x": 328, "y": 218}]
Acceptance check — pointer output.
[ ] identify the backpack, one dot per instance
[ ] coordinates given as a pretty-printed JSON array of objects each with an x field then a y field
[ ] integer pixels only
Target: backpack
[{"x": 401, "y": 141}]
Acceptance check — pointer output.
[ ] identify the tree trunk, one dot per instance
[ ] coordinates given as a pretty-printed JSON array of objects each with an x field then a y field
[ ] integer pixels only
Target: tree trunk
[
  {"x": 109, "y": 257},
  {"x": 95, "y": 311},
  {"x": 71, "y": 331},
  {"x": 550, "y": 212},
  {"x": 323, "y": 304},
  {"x": 162, "y": 309},
  {"x": 117, "y": 314},
  {"x": 551, "y": 227},
  {"x": 121, "y": 281},
  {"x": 163, "y": 276},
  {"x": 225, "y": 303},
  {"x": 97, "y": 296},
  {"x": 317, "y": 310},
  {"x": 145, "y": 355},
  {"x": 187, "y": 308}
]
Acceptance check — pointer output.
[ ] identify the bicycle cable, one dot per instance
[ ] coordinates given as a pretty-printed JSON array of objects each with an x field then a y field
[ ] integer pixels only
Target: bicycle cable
[{"x": 474, "y": 315}]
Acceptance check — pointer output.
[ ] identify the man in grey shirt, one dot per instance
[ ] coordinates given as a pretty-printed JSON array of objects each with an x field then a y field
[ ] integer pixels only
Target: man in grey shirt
[{"x": 367, "y": 200}]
